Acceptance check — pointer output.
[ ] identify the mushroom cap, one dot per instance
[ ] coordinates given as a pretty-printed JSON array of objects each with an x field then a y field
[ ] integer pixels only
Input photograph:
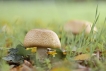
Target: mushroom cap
[
  {"x": 77, "y": 26},
  {"x": 42, "y": 38}
]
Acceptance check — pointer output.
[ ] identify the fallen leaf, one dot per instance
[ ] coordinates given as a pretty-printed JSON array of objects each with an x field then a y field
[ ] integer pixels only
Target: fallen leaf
[
  {"x": 84, "y": 56},
  {"x": 33, "y": 49},
  {"x": 26, "y": 66},
  {"x": 61, "y": 69},
  {"x": 81, "y": 69}
]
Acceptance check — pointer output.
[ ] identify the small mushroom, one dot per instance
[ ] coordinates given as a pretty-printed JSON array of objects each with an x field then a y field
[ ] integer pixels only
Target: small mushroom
[
  {"x": 77, "y": 26},
  {"x": 42, "y": 39}
]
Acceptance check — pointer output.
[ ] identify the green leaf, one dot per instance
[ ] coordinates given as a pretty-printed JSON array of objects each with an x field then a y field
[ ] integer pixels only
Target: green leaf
[
  {"x": 12, "y": 51},
  {"x": 14, "y": 58},
  {"x": 60, "y": 54},
  {"x": 22, "y": 51},
  {"x": 17, "y": 55}
]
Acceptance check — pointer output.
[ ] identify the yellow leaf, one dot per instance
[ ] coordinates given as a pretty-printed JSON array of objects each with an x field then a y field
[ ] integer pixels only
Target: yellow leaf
[
  {"x": 82, "y": 57},
  {"x": 53, "y": 53},
  {"x": 33, "y": 49},
  {"x": 61, "y": 69}
]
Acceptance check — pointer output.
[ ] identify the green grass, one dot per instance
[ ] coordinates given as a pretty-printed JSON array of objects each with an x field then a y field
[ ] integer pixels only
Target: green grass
[{"x": 20, "y": 17}]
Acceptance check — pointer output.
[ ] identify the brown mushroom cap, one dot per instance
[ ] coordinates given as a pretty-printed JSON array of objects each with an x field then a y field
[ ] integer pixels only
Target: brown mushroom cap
[
  {"x": 41, "y": 38},
  {"x": 77, "y": 26}
]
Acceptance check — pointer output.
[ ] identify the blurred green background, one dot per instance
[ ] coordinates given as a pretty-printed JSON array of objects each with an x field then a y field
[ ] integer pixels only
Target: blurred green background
[
  {"x": 51, "y": 10},
  {"x": 19, "y": 16}
]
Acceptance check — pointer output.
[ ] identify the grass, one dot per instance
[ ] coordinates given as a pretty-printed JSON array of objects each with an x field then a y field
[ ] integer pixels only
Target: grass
[{"x": 20, "y": 17}]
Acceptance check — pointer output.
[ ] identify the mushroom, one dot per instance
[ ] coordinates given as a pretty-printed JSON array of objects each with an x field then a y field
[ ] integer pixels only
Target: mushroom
[
  {"x": 77, "y": 26},
  {"x": 42, "y": 39}
]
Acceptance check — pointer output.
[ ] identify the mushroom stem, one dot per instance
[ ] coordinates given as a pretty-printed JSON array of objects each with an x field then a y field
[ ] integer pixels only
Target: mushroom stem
[{"x": 41, "y": 53}]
